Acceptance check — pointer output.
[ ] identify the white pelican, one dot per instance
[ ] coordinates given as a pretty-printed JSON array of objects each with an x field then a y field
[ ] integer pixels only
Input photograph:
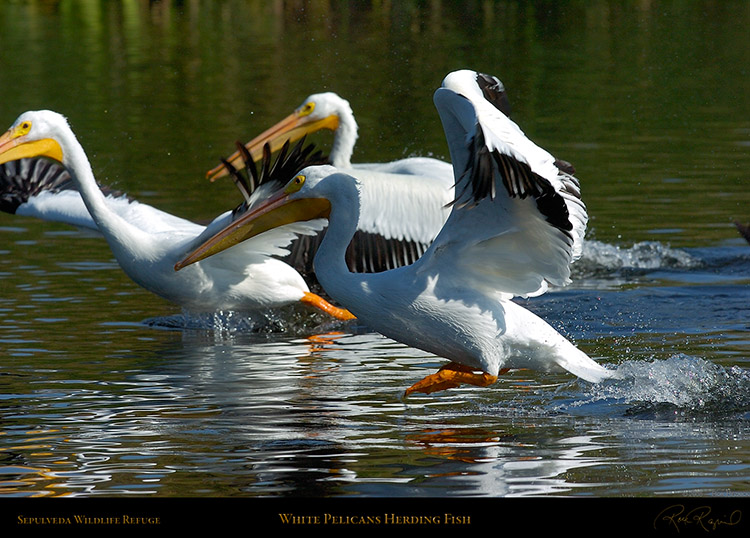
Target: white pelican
[
  {"x": 517, "y": 223},
  {"x": 148, "y": 242},
  {"x": 330, "y": 111},
  {"x": 398, "y": 220}
]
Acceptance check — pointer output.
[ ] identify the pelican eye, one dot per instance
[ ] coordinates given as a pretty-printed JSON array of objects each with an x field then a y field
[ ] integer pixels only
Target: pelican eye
[
  {"x": 307, "y": 108},
  {"x": 23, "y": 128},
  {"x": 295, "y": 184}
]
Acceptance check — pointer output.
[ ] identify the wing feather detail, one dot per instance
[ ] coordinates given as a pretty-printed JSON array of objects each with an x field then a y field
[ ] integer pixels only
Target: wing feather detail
[
  {"x": 43, "y": 189},
  {"x": 402, "y": 208},
  {"x": 517, "y": 221}
]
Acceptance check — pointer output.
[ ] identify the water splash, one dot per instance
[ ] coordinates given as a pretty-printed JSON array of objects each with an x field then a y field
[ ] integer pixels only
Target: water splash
[
  {"x": 291, "y": 320},
  {"x": 224, "y": 321},
  {"x": 678, "y": 388},
  {"x": 598, "y": 257}
]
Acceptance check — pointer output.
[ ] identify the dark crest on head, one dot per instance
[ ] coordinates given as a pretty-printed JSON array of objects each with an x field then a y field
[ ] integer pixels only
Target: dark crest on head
[{"x": 279, "y": 171}]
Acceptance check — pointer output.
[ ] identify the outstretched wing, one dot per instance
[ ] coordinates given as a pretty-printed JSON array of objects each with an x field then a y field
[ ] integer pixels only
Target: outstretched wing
[{"x": 518, "y": 220}]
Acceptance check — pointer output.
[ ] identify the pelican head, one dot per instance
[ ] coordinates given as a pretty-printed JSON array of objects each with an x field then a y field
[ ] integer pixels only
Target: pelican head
[
  {"x": 33, "y": 134},
  {"x": 319, "y": 111},
  {"x": 305, "y": 197}
]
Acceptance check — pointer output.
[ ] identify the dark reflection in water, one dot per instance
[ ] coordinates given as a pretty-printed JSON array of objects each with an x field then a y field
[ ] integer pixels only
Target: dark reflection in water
[
  {"x": 106, "y": 390},
  {"x": 323, "y": 416}
]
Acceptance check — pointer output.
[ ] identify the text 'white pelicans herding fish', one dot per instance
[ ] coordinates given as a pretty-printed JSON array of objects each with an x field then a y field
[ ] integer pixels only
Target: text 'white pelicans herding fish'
[
  {"x": 517, "y": 223},
  {"x": 148, "y": 242}
]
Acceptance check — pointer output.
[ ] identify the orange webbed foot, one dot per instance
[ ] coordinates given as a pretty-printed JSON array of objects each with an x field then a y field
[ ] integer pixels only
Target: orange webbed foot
[
  {"x": 451, "y": 376},
  {"x": 318, "y": 302}
]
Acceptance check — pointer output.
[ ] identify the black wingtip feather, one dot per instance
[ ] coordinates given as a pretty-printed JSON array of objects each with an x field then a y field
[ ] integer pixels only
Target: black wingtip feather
[
  {"x": 494, "y": 92},
  {"x": 517, "y": 178},
  {"x": 25, "y": 178}
]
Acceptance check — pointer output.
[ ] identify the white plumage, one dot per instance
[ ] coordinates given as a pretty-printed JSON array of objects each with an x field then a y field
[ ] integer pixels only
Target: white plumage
[
  {"x": 517, "y": 223},
  {"x": 41, "y": 188},
  {"x": 404, "y": 201},
  {"x": 148, "y": 242},
  {"x": 330, "y": 111}
]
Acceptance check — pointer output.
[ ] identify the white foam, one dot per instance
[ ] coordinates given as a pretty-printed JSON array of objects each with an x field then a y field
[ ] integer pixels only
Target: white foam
[
  {"x": 643, "y": 255},
  {"x": 682, "y": 382}
]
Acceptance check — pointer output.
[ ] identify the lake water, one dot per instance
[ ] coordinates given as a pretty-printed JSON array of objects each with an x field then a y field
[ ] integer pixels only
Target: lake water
[{"x": 109, "y": 391}]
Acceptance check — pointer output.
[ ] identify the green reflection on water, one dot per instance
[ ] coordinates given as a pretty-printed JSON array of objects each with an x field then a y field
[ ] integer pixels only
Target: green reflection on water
[{"x": 649, "y": 102}]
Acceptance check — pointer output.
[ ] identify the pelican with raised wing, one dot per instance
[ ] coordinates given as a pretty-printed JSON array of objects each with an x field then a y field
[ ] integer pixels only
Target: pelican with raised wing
[{"x": 517, "y": 223}]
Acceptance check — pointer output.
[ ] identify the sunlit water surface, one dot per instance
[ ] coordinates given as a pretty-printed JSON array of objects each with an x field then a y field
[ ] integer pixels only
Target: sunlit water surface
[{"x": 106, "y": 390}]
